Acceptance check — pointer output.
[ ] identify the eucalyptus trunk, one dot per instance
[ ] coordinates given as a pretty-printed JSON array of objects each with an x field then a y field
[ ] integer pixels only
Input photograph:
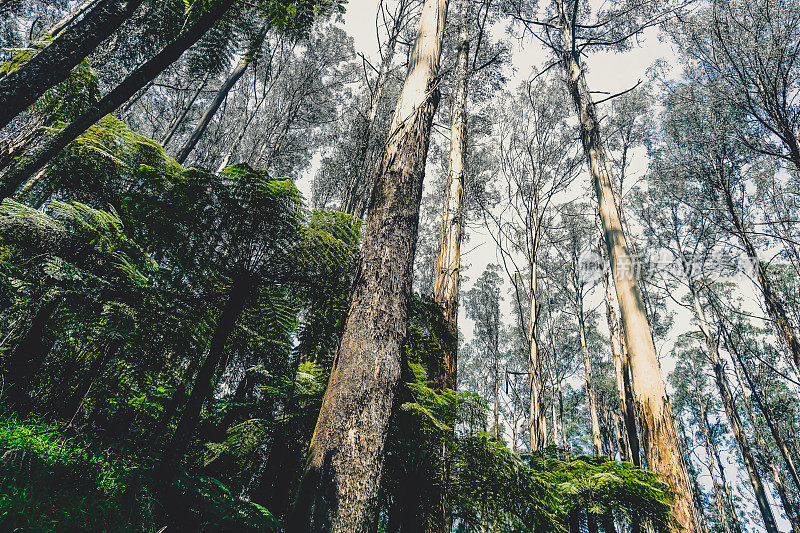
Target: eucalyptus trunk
[
  {"x": 590, "y": 393},
  {"x": 52, "y": 65},
  {"x": 657, "y": 422},
  {"x": 629, "y": 438},
  {"x": 32, "y": 163},
  {"x": 731, "y": 409},
  {"x": 340, "y": 486},
  {"x": 537, "y": 422}
]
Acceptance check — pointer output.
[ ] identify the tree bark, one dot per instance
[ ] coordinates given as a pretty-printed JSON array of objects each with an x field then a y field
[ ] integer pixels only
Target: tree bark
[
  {"x": 629, "y": 441},
  {"x": 52, "y": 65},
  {"x": 537, "y": 423},
  {"x": 339, "y": 490},
  {"x": 241, "y": 288},
  {"x": 655, "y": 413},
  {"x": 18, "y": 174}
]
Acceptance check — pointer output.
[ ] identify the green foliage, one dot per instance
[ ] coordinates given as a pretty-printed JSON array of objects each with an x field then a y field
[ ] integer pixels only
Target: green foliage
[{"x": 50, "y": 483}]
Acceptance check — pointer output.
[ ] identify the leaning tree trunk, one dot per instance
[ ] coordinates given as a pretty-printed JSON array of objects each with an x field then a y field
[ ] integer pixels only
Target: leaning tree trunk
[
  {"x": 70, "y": 17},
  {"x": 587, "y": 366},
  {"x": 772, "y": 301},
  {"x": 731, "y": 409},
  {"x": 22, "y": 87},
  {"x": 655, "y": 413},
  {"x": 789, "y": 508},
  {"x": 339, "y": 489},
  {"x": 211, "y": 111},
  {"x": 31, "y": 164},
  {"x": 242, "y": 286}
]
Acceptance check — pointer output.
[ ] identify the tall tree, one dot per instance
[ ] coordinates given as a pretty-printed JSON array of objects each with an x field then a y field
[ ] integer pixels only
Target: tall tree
[
  {"x": 536, "y": 161},
  {"x": 252, "y": 52},
  {"x": 340, "y": 486},
  {"x": 569, "y": 28},
  {"x": 688, "y": 237},
  {"x": 50, "y": 66}
]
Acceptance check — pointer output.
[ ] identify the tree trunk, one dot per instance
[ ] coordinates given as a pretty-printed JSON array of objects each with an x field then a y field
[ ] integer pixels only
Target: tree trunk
[
  {"x": 71, "y": 17},
  {"x": 772, "y": 302},
  {"x": 587, "y": 366},
  {"x": 734, "y": 519},
  {"x": 233, "y": 78},
  {"x": 719, "y": 497},
  {"x": 176, "y": 124},
  {"x": 697, "y": 493},
  {"x": 241, "y": 288},
  {"x": 627, "y": 421},
  {"x": 18, "y": 174},
  {"x": 339, "y": 490},
  {"x": 655, "y": 413},
  {"x": 729, "y": 404},
  {"x": 789, "y": 508},
  {"x": 28, "y": 355},
  {"x": 537, "y": 424},
  {"x": 22, "y": 87},
  {"x": 448, "y": 263},
  {"x": 15, "y": 145}
]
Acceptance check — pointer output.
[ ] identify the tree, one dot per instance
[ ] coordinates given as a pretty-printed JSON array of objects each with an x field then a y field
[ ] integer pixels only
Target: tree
[
  {"x": 50, "y": 66},
  {"x": 568, "y": 31},
  {"x": 536, "y": 162},
  {"x": 340, "y": 486}
]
